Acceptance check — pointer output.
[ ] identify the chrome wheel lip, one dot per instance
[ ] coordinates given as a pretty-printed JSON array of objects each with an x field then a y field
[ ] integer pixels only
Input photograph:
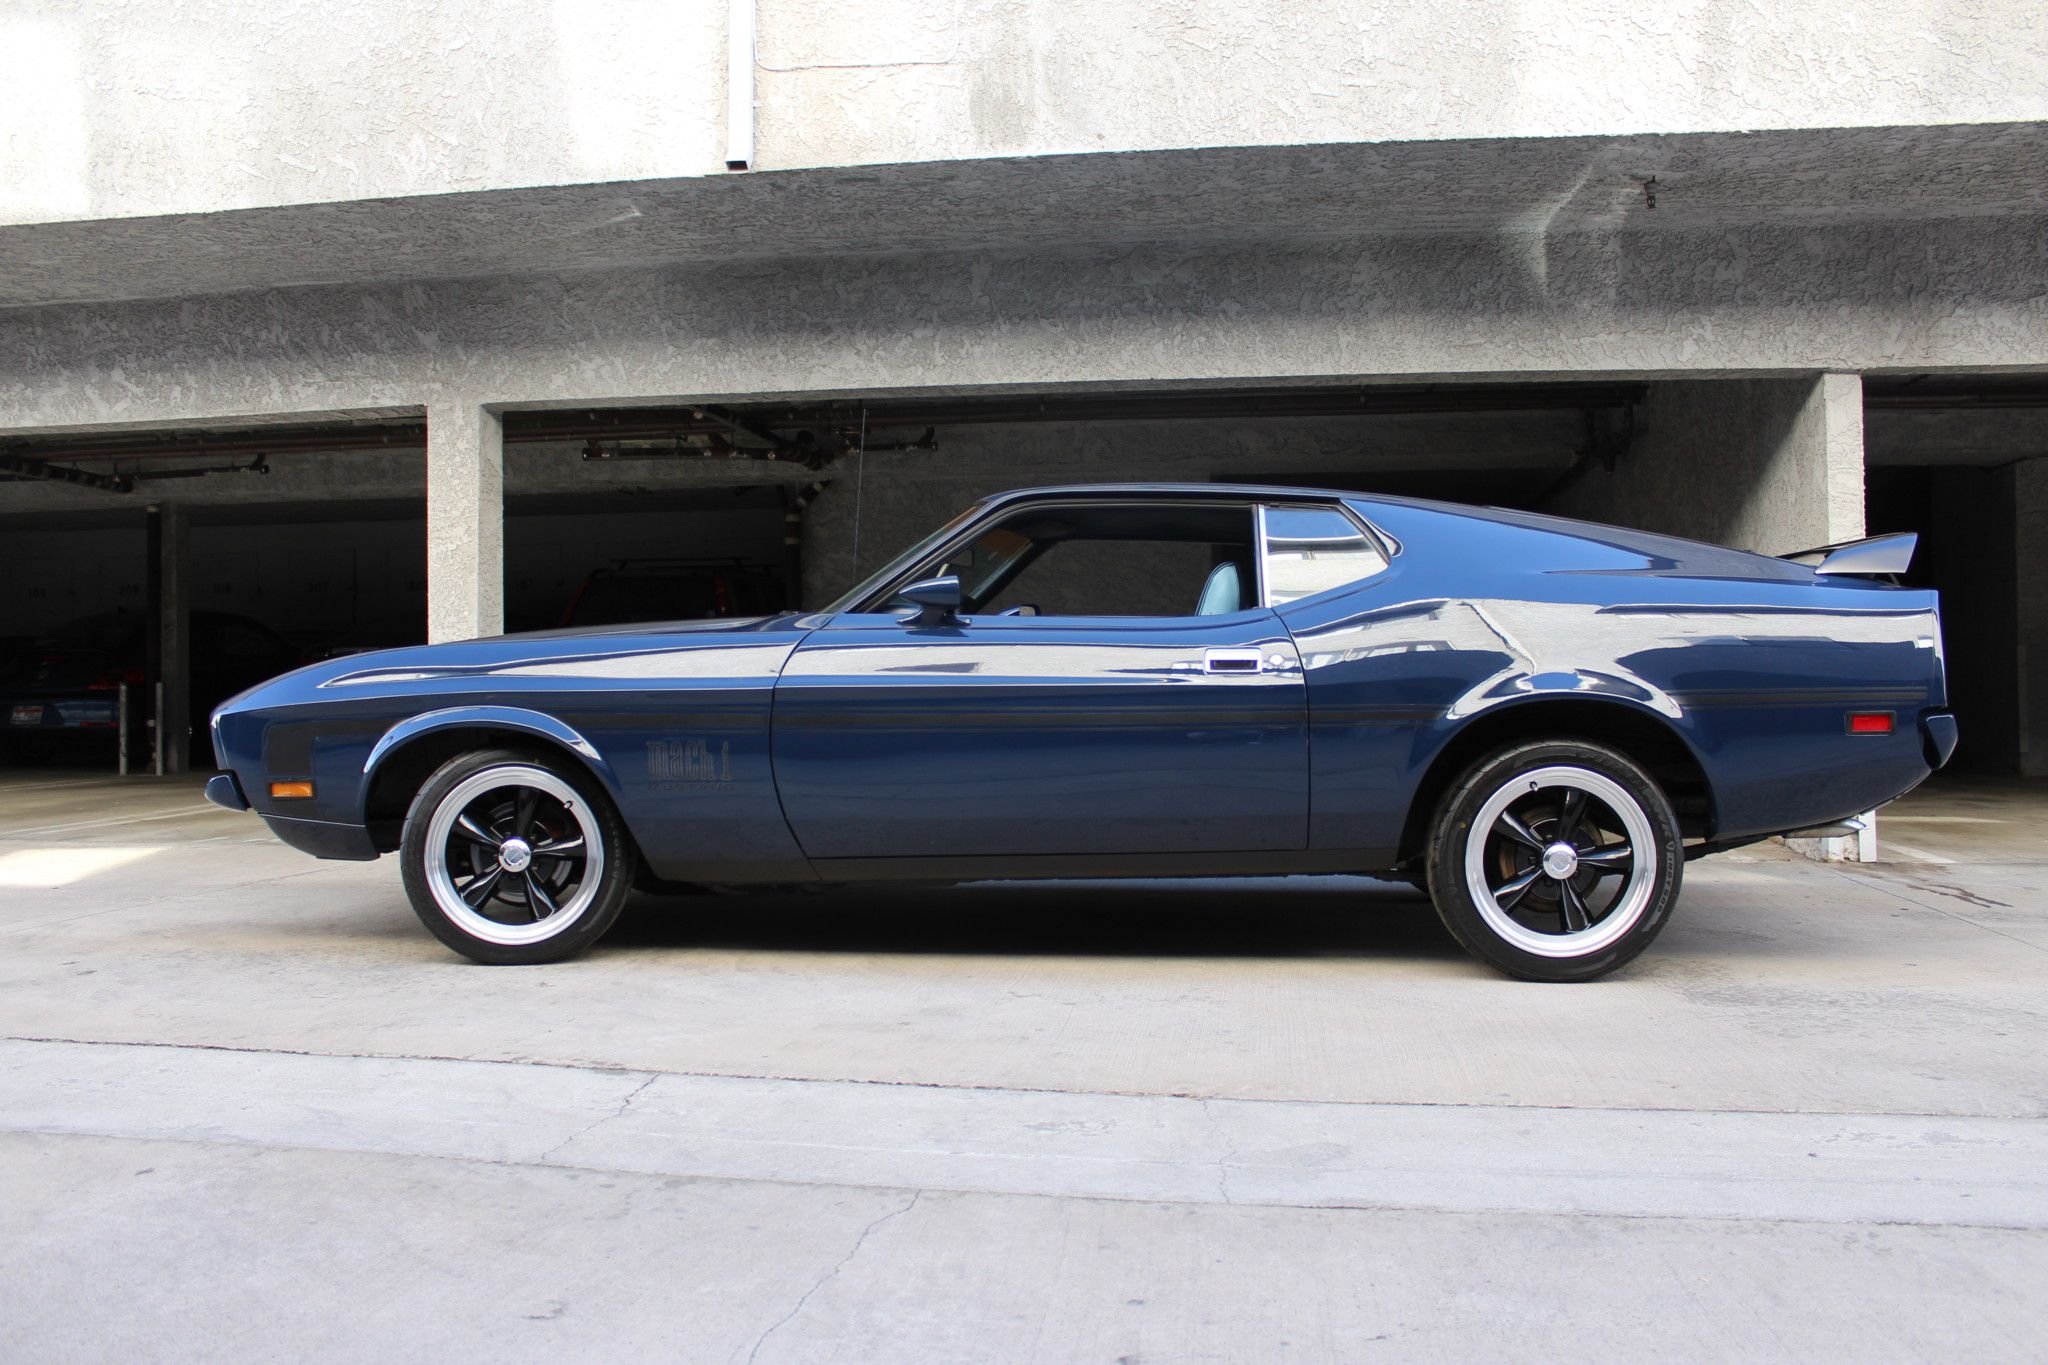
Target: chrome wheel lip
[
  {"x": 440, "y": 877},
  {"x": 1629, "y": 906}
]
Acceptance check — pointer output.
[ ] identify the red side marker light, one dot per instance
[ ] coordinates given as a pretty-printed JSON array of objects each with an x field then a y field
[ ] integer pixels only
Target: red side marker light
[{"x": 1870, "y": 722}]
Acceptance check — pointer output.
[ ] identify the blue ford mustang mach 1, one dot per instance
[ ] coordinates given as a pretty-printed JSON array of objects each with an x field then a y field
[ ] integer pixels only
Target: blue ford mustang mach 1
[{"x": 1539, "y": 721}]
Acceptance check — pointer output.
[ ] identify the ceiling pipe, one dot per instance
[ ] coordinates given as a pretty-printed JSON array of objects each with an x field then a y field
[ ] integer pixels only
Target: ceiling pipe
[
  {"x": 765, "y": 422},
  {"x": 57, "y": 473},
  {"x": 739, "y": 85}
]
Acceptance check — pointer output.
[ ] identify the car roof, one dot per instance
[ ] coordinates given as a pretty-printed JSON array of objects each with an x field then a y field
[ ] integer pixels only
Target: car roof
[
  {"x": 1702, "y": 555},
  {"x": 1228, "y": 491},
  {"x": 1258, "y": 492}
]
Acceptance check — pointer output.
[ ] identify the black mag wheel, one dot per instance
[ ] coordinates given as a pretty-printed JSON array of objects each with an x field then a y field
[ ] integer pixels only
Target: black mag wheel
[
  {"x": 1555, "y": 861},
  {"x": 509, "y": 859}
]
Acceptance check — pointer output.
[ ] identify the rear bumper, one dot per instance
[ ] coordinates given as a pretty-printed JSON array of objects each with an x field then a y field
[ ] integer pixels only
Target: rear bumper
[{"x": 1938, "y": 737}]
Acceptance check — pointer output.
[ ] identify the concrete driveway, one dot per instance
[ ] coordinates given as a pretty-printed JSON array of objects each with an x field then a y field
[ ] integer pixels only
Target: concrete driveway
[{"x": 249, "y": 1109}]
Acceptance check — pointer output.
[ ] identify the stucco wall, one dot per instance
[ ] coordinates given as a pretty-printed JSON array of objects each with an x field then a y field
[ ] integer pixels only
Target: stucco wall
[
  {"x": 124, "y": 107},
  {"x": 1772, "y": 465},
  {"x": 896, "y": 80},
  {"x": 128, "y": 107}
]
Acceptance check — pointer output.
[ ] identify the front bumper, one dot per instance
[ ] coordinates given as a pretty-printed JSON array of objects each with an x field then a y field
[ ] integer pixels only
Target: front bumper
[
  {"x": 225, "y": 792},
  {"x": 324, "y": 838},
  {"x": 321, "y": 838}
]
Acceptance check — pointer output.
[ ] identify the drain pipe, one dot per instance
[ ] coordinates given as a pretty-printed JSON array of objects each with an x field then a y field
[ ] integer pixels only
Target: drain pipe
[{"x": 739, "y": 85}]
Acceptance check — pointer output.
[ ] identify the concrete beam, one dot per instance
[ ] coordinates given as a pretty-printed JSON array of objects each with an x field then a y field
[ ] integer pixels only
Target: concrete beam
[
  {"x": 1962, "y": 293},
  {"x": 465, "y": 522},
  {"x": 1530, "y": 187},
  {"x": 1954, "y": 436}
]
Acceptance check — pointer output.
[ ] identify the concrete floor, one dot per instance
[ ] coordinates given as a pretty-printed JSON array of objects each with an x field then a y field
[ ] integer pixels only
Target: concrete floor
[{"x": 248, "y": 1109}]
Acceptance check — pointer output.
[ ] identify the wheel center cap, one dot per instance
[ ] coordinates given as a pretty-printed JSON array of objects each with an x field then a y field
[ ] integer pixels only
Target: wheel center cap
[
  {"x": 1560, "y": 860},
  {"x": 514, "y": 855}
]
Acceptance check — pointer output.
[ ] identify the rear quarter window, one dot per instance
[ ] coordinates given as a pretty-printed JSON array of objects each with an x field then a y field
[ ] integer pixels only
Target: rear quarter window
[{"x": 1307, "y": 550}]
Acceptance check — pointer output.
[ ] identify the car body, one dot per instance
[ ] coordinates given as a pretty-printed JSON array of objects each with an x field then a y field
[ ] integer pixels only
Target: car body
[
  {"x": 66, "y": 683},
  {"x": 1283, "y": 681}
]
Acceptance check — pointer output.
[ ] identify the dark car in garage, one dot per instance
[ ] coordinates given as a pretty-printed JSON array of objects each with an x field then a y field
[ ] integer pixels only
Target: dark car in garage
[
  {"x": 63, "y": 687},
  {"x": 628, "y": 590}
]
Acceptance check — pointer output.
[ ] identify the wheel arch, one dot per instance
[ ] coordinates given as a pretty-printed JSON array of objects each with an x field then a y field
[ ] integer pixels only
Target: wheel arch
[
  {"x": 1636, "y": 731},
  {"x": 409, "y": 752}
]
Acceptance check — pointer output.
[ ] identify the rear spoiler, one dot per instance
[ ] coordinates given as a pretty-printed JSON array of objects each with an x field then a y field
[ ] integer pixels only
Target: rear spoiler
[{"x": 1877, "y": 557}]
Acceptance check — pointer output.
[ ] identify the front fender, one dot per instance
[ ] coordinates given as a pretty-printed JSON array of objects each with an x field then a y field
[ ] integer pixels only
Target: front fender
[{"x": 479, "y": 718}]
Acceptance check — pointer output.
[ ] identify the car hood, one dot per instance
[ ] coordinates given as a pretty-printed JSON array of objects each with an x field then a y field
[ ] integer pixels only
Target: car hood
[{"x": 617, "y": 652}]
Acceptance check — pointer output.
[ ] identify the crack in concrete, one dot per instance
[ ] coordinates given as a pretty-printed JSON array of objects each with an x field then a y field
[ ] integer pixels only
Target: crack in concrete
[
  {"x": 887, "y": 1083},
  {"x": 619, "y": 1113},
  {"x": 1967, "y": 897},
  {"x": 1222, "y": 1160},
  {"x": 832, "y": 1274}
]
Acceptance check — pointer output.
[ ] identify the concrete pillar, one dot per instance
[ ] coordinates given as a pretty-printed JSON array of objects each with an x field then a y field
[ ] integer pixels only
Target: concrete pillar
[
  {"x": 465, "y": 522},
  {"x": 1771, "y": 465},
  {"x": 171, "y": 544},
  {"x": 2030, "y": 530}
]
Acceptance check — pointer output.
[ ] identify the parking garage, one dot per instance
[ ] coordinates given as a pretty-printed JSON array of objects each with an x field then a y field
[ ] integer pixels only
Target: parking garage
[{"x": 233, "y": 550}]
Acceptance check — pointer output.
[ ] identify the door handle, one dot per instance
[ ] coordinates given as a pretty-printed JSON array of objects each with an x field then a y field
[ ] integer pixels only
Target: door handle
[{"x": 1232, "y": 661}]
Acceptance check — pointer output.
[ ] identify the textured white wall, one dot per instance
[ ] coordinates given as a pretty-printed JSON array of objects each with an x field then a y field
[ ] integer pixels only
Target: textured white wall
[
  {"x": 127, "y": 107},
  {"x": 1771, "y": 465},
  {"x": 122, "y": 107},
  {"x": 897, "y": 80}
]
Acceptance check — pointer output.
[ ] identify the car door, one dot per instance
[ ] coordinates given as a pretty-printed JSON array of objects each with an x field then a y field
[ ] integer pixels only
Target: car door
[{"x": 1044, "y": 736}]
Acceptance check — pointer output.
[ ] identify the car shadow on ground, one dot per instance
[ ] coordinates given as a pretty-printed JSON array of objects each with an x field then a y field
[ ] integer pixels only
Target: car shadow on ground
[{"x": 1302, "y": 917}]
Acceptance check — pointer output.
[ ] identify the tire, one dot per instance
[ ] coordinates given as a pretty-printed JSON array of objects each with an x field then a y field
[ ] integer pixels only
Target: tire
[
  {"x": 475, "y": 856},
  {"x": 1546, "y": 903}
]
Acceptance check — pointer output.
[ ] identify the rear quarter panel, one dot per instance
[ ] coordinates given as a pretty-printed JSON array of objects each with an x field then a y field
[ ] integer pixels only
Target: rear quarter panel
[{"x": 1755, "y": 674}]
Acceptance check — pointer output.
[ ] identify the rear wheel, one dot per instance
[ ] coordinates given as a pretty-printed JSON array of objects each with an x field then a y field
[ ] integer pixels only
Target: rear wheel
[
  {"x": 1555, "y": 861},
  {"x": 509, "y": 858}
]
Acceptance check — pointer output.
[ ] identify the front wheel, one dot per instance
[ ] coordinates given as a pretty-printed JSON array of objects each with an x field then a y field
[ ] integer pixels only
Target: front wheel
[
  {"x": 1555, "y": 861},
  {"x": 509, "y": 858}
]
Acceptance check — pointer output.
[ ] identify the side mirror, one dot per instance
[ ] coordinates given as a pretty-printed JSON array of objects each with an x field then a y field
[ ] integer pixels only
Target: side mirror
[{"x": 937, "y": 600}]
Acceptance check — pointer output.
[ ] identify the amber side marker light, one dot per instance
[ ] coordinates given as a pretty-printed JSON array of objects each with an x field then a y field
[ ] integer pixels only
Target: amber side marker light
[
  {"x": 281, "y": 791},
  {"x": 1860, "y": 723}
]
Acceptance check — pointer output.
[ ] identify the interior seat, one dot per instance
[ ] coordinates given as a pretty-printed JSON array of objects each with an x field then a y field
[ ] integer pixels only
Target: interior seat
[{"x": 1223, "y": 593}]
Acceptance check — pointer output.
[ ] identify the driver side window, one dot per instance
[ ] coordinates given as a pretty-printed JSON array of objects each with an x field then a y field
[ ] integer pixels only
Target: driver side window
[{"x": 1109, "y": 559}]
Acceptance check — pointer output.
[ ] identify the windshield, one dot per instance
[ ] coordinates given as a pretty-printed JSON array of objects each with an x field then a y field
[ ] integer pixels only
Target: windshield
[{"x": 874, "y": 581}]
